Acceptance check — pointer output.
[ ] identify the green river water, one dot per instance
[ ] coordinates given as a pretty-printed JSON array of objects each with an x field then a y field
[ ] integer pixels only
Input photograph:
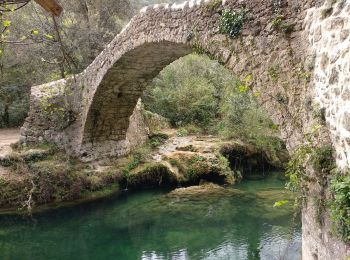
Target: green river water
[{"x": 150, "y": 225}]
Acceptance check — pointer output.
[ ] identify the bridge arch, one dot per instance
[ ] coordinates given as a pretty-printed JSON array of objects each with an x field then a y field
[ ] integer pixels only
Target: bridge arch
[
  {"x": 156, "y": 37},
  {"x": 115, "y": 99}
]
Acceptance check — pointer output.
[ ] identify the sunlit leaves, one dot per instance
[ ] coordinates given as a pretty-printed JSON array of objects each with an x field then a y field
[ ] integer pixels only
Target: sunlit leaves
[
  {"x": 49, "y": 36},
  {"x": 257, "y": 94},
  {"x": 243, "y": 88},
  {"x": 35, "y": 32},
  {"x": 6, "y": 23},
  {"x": 244, "y": 85},
  {"x": 280, "y": 203}
]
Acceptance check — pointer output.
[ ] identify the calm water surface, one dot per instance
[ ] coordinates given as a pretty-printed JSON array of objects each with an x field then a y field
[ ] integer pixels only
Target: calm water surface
[{"x": 151, "y": 225}]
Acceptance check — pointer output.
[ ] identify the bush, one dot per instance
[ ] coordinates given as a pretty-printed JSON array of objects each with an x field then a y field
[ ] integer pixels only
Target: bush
[
  {"x": 232, "y": 22},
  {"x": 322, "y": 159},
  {"x": 340, "y": 205},
  {"x": 199, "y": 95},
  {"x": 157, "y": 139}
]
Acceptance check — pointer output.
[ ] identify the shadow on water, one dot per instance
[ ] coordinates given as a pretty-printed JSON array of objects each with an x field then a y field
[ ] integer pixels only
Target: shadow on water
[{"x": 236, "y": 224}]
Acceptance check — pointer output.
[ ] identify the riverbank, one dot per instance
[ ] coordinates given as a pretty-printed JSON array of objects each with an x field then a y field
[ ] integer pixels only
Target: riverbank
[{"x": 43, "y": 177}]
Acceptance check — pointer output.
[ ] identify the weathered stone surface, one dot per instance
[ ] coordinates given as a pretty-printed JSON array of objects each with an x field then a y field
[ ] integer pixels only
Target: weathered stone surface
[{"x": 331, "y": 73}]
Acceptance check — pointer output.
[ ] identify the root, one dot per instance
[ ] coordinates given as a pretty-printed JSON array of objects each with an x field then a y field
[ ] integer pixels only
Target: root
[{"x": 29, "y": 203}]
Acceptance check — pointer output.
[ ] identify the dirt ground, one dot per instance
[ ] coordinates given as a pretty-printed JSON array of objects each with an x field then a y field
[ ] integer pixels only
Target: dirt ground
[{"x": 8, "y": 137}]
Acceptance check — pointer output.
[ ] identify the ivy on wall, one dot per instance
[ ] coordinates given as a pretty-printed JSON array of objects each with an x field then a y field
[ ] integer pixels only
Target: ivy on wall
[
  {"x": 232, "y": 22},
  {"x": 340, "y": 205}
]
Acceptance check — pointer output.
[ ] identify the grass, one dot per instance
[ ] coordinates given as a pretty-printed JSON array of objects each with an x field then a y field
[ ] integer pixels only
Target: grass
[{"x": 50, "y": 176}]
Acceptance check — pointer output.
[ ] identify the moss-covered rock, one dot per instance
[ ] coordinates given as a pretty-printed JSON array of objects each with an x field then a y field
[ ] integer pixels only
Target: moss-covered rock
[
  {"x": 194, "y": 167},
  {"x": 249, "y": 160},
  {"x": 205, "y": 189},
  {"x": 150, "y": 175}
]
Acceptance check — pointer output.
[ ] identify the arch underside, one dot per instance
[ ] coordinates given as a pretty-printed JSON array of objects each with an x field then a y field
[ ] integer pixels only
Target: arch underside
[{"x": 116, "y": 96}]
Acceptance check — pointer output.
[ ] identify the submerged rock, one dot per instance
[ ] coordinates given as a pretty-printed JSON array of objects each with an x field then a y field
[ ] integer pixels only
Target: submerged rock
[{"x": 204, "y": 190}]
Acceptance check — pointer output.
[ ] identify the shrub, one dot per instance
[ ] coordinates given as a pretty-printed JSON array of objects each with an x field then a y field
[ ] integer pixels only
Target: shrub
[
  {"x": 340, "y": 205},
  {"x": 279, "y": 24},
  {"x": 182, "y": 132},
  {"x": 199, "y": 95},
  {"x": 232, "y": 22},
  {"x": 322, "y": 159},
  {"x": 157, "y": 139}
]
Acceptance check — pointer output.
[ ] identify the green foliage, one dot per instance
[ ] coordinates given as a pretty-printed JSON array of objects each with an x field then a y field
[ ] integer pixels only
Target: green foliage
[
  {"x": 280, "y": 203},
  {"x": 278, "y": 24},
  {"x": 194, "y": 168},
  {"x": 6, "y": 23},
  {"x": 281, "y": 98},
  {"x": 192, "y": 129},
  {"x": 322, "y": 159},
  {"x": 41, "y": 152},
  {"x": 319, "y": 114},
  {"x": 31, "y": 53},
  {"x": 213, "y": 5},
  {"x": 200, "y": 96},
  {"x": 40, "y": 177},
  {"x": 135, "y": 161},
  {"x": 340, "y": 205},
  {"x": 182, "y": 132},
  {"x": 232, "y": 22},
  {"x": 274, "y": 73},
  {"x": 14, "y": 105},
  {"x": 198, "y": 48},
  {"x": 296, "y": 169},
  {"x": 188, "y": 91},
  {"x": 244, "y": 85},
  {"x": 157, "y": 139},
  {"x": 141, "y": 154},
  {"x": 305, "y": 76}
]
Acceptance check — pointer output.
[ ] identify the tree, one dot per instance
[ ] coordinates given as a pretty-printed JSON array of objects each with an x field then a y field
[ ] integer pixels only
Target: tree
[{"x": 9, "y": 96}]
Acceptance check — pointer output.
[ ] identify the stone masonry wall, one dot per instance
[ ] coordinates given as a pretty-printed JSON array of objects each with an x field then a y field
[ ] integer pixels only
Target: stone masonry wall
[{"x": 328, "y": 28}]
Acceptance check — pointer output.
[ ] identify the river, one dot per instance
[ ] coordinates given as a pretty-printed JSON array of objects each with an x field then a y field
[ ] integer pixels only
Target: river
[{"x": 153, "y": 225}]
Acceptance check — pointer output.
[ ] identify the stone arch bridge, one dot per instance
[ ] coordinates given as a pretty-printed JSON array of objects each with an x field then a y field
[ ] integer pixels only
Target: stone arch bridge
[
  {"x": 89, "y": 114},
  {"x": 296, "y": 51}
]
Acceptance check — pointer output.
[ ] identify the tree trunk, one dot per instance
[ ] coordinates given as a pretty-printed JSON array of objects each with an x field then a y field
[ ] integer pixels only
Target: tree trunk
[{"x": 6, "y": 116}]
